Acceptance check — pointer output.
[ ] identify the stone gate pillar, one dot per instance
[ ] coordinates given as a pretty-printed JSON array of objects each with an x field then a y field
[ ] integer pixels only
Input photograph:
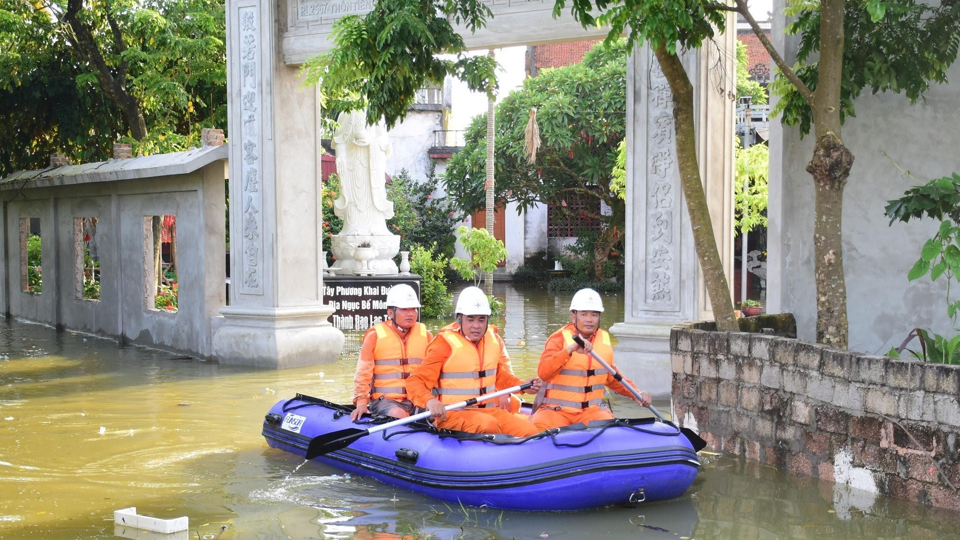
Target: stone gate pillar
[
  {"x": 664, "y": 285},
  {"x": 276, "y": 317}
]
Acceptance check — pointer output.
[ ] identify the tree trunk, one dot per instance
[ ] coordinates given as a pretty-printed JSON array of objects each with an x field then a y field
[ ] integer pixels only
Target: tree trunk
[
  {"x": 703, "y": 238},
  {"x": 601, "y": 252},
  {"x": 490, "y": 202},
  {"x": 157, "y": 227},
  {"x": 830, "y": 167},
  {"x": 113, "y": 82}
]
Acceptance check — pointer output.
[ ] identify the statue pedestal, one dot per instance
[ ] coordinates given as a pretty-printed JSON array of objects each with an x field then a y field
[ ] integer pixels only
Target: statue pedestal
[{"x": 387, "y": 248}]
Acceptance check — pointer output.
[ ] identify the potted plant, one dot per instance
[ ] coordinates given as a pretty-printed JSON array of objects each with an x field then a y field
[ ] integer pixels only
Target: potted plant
[{"x": 750, "y": 308}]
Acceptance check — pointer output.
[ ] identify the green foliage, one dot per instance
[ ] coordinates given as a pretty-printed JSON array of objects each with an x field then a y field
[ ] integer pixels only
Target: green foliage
[
  {"x": 618, "y": 182},
  {"x": 746, "y": 86},
  {"x": 485, "y": 251},
  {"x": 938, "y": 199},
  {"x": 34, "y": 264},
  {"x": 939, "y": 256},
  {"x": 898, "y": 45},
  {"x": 751, "y": 165},
  {"x": 382, "y": 59},
  {"x": 171, "y": 58},
  {"x": 580, "y": 112},
  {"x": 934, "y": 348},
  {"x": 434, "y": 298},
  {"x": 34, "y": 250},
  {"x": 529, "y": 274},
  {"x": 419, "y": 217},
  {"x": 331, "y": 223},
  {"x": 167, "y": 297},
  {"x": 578, "y": 258},
  {"x": 750, "y": 303},
  {"x": 575, "y": 284}
]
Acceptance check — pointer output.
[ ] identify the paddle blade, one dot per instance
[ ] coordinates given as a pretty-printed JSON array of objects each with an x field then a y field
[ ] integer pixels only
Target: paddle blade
[
  {"x": 695, "y": 440},
  {"x": 331, "y": 442}
]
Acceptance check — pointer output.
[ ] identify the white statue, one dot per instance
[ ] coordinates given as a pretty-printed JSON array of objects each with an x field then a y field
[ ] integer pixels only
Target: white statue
[
  {"x": 364, "y": 245},
  {"x": 362, "y": 152}
]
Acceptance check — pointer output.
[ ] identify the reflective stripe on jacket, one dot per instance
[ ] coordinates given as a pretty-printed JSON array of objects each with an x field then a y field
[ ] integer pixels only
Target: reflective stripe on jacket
[
  {"x": 465, "y": 375},
  {"x": 395, "y": 360},
  {"x": 580, "y": 383}
]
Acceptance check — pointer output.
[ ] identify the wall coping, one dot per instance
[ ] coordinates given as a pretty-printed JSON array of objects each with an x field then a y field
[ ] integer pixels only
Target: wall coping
[{"x": 143, "y": 167}]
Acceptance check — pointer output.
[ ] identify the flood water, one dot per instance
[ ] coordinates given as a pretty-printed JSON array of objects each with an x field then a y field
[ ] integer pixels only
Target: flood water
[{"x": 87, "y": 428}]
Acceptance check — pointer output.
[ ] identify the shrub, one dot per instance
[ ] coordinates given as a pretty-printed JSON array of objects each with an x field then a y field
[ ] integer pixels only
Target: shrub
[
  {"x": 419, "y": 217},
  {"x": 433, "y": 288},
  {"x": 529, "y": 274},
  {"x": 578, "y": 257},
  {"x": 575, "y": 284},
  {"x": 485, "y": 251},
  {"x": 167, "y": 297}
]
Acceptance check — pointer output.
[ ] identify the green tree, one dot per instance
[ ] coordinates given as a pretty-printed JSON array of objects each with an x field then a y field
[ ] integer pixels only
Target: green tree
[
  {"x": 751, "y": 165},
  {"x": 485, "y": 251},
  {"x": 847, "y": 46},
  {"x": 746, "y": 85},
  {"x": 75, "y": 76},
  {"x": 580, "y": 111}
]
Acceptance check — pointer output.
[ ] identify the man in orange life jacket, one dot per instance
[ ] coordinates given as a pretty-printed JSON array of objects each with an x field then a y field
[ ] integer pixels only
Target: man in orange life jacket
[
  {"x": 390, "y": 352},
  {"x": 465, "y": 360},
  {"x": 573, "y": 380}
]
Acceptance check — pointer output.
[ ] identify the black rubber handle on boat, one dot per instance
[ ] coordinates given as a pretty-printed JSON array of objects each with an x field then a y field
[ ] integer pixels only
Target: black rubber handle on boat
[
  {"x": 330, "y": 442},
  {"x": 695, "y": 440}
]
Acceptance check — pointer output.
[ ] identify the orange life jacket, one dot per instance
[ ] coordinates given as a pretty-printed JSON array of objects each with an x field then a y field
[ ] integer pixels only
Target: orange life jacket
[
  {"x": 395, "y": 360},
  {"x": 465, "y": 374},
  {"x": 580, "y": 383}
]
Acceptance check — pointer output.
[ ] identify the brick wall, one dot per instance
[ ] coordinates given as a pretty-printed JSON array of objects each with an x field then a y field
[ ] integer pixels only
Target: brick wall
[{"x": 877, "y": 423}]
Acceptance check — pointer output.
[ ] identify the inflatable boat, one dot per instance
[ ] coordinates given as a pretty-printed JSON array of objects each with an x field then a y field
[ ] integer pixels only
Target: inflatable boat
[{"x": 571, "y": 468}]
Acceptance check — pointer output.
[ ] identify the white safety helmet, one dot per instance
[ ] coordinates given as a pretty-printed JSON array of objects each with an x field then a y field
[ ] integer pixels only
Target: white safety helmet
[
  {"x": 402, "y": 296},
  {"x": 586, "y": 300},
  {"x": 473, "y": 301}
]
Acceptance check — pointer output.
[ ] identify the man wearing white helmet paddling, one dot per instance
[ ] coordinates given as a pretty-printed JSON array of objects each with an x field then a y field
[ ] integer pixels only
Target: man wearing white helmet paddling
[
  {"x": 468, "y": 359},
  {"x": 390, "y": 352},
  {"x": 573, "y": 380}
]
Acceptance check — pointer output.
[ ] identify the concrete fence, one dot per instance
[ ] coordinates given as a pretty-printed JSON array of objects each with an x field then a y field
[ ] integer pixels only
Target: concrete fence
[
  {"x": 104, "y": 211},
  {"x": 878, "y": 424}
]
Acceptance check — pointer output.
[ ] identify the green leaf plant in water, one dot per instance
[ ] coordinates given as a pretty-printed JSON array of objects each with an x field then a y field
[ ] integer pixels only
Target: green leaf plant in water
[{"x": 939, "y": 256}]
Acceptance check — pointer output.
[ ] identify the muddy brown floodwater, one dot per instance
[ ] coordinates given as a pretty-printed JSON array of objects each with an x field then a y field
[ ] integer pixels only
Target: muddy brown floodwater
[{"x": 87, "y": 427}]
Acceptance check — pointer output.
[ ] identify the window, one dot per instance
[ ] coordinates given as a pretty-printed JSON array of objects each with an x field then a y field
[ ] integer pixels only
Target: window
[
  {"x": 160, "y": 263},
  {"x": 87, "y": 258},
  {"x": 575, "y": 214},
  {"x": 31, "y": 275}
]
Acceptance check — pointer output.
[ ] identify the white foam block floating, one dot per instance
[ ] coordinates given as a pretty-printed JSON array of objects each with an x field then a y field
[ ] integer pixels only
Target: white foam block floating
[{"x": 129, "y": 517}]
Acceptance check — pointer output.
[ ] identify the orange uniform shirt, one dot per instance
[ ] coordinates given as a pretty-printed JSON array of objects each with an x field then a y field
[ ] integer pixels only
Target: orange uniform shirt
[
  {"x": 363, "y": 378},
  {"x": 427, "y": 376},
  {"x": 554, "y": 356}
]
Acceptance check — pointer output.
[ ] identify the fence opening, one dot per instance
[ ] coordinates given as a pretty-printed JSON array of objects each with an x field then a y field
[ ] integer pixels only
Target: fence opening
[
  {"x": 87, "y": 258},
  {"x": 160, "y": 263},
  {"x": 31, "y": 274}
]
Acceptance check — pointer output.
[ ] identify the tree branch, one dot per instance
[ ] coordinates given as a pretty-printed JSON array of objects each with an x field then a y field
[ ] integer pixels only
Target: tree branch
[
  {"x": 805, "y": 92},
  {"x": 118, "y": 43}
]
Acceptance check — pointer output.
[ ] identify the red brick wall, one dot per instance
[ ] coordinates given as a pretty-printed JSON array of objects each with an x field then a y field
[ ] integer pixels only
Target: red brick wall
[{"x": 556, "y": 55}]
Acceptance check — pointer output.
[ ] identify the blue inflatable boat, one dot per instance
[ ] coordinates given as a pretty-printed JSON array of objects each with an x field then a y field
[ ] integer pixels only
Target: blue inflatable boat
[{"x": 572, "y": 468}]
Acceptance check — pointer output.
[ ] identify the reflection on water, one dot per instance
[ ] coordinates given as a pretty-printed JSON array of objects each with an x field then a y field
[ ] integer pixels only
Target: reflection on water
[{"x": 87, "y": 428}]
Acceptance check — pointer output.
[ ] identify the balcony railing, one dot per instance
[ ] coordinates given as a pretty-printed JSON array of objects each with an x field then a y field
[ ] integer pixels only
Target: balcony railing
[
  {"x": 429, "y": 96},
  {"x": 448, "y": 138},
  {"x": 756, "y": 116}
]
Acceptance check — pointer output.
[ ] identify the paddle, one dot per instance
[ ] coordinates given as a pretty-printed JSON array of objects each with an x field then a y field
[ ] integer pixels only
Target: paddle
[
  {"x": 330, "y": 442},
  {"x": 695, "y": 440}
]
